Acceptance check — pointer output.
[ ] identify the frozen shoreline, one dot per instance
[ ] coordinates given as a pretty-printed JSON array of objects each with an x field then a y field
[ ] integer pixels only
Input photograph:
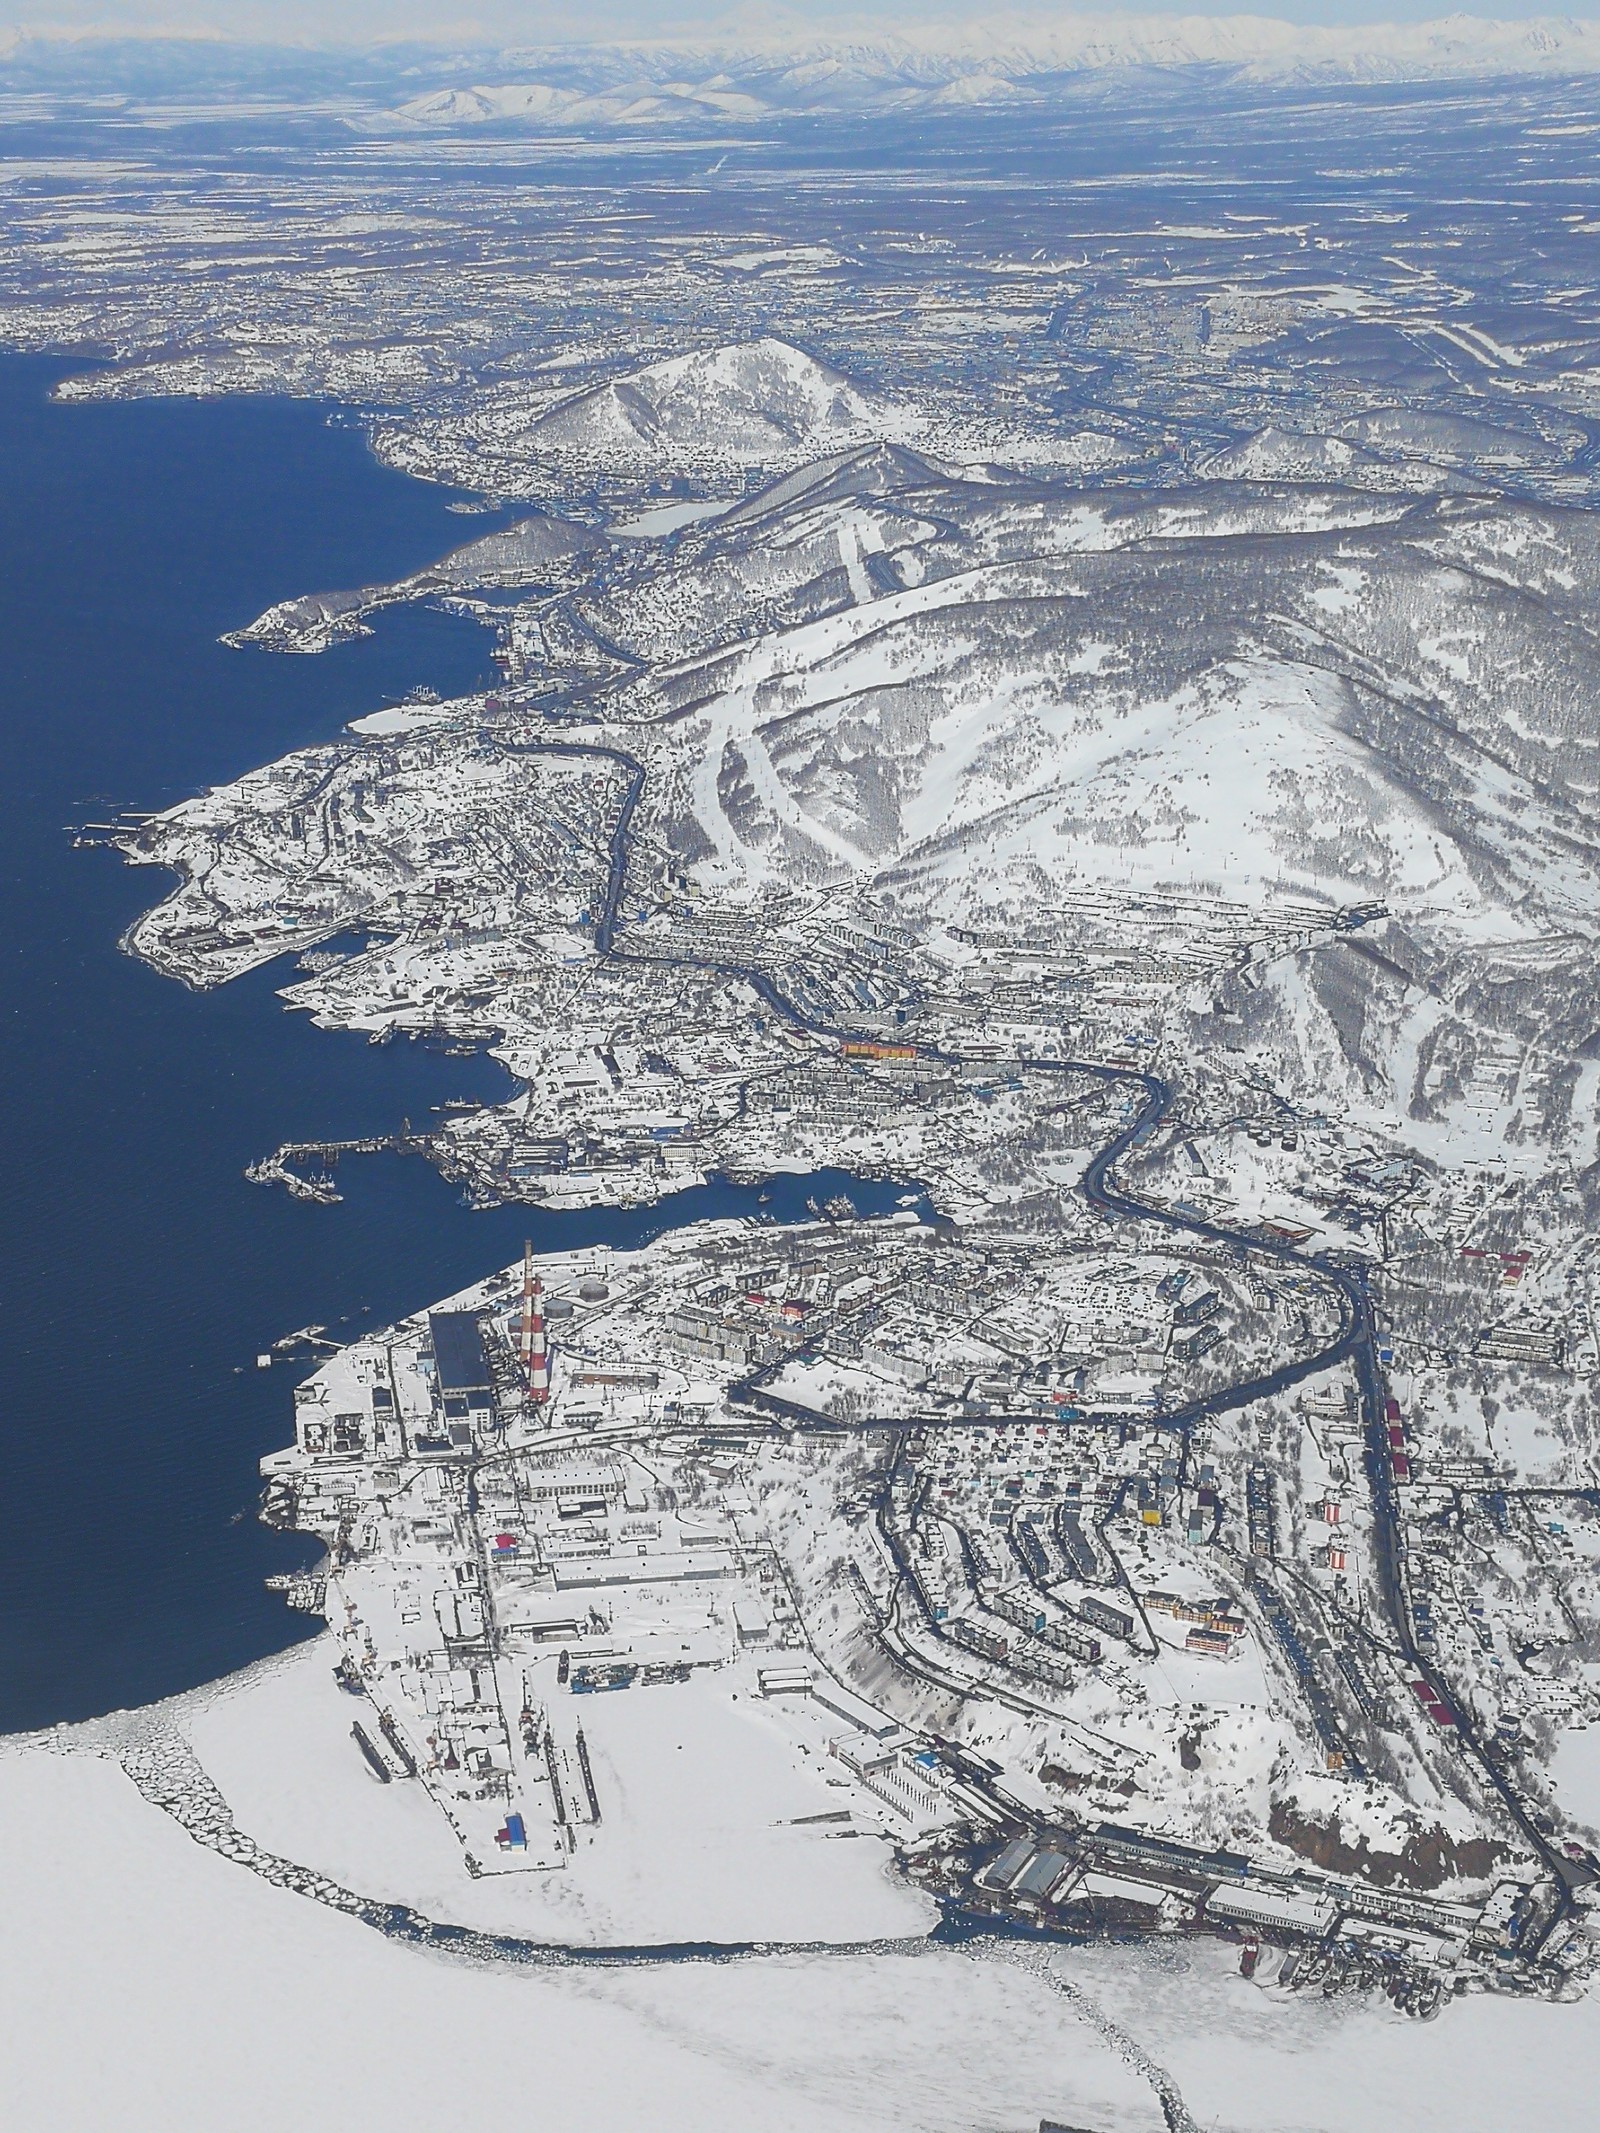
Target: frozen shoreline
[
  {"x": 107, "y": 1898},
  {"x": 81, "y": 1840}
]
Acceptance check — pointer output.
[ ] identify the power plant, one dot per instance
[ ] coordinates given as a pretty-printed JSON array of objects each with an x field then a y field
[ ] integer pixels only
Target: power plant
[{"x": 532, "y": 1346}]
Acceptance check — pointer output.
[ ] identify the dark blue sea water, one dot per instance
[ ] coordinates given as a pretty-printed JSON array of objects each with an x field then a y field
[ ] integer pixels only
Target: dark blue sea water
[{"x": 142, "y": 1274}]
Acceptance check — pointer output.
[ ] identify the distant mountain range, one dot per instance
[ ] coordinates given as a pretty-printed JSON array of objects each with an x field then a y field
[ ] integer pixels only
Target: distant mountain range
[
  {"x": 735, "y": 78},
  {"x": 1003, "y": 60}
]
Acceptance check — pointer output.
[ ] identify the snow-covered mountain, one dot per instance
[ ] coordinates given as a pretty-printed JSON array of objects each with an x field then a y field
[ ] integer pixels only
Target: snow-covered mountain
[
  {"x": 711, "y": 412},
  {"x": 1003, "y": 59},
  {"x": 1248, "y": 692},
  {"x": 963, "y": 695},
  {"x": 753, "y": 399},
  {"x": 732, "y": 76}
]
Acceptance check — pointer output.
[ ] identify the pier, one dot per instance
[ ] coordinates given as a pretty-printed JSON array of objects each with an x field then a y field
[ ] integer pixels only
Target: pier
[{"x": 305, "y": 1168}]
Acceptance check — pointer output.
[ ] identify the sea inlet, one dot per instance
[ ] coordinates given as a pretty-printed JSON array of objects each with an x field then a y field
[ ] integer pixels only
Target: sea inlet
[{"x": 143, "y": 1273}]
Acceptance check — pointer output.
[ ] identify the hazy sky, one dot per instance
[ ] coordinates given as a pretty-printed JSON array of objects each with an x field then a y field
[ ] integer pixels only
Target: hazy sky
[{"x": 540, "y": 21}]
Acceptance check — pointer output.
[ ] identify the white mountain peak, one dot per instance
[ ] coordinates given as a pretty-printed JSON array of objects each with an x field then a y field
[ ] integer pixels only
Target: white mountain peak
[{"x": 784, "y": 66}]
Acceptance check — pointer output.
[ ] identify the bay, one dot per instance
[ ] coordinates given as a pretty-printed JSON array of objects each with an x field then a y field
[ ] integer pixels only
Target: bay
[{"x": 141, "y": 1273}]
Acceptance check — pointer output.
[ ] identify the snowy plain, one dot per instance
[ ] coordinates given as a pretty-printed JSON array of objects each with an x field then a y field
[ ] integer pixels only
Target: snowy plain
[
  {"x": 203, "y": 1997},
  {"x": 206, "y": 1997},
  {"x": 706, "y": 1833}
]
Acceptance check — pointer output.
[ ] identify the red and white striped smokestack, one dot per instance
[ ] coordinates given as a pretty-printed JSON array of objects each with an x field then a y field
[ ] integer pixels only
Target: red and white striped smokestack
[
  {"x": 534, "y": 1349},
  {"x": 525, "y": 1329}
]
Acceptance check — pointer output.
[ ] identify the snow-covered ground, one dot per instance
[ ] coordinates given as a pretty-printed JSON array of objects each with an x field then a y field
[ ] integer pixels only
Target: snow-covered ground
[
  {"x": 666, "y": 518},
  {"x": 197, "y": 1995},
  {"x": 704, "y": 1835},
  {"x": 1575, "y": 1774},
  {"x": 1252, "y": 2060},
  {"x": 200, "y": 1996}
]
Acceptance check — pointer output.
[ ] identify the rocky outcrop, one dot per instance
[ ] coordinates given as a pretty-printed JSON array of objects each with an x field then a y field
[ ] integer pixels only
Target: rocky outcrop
[{"x": 1428, "y": 1859}]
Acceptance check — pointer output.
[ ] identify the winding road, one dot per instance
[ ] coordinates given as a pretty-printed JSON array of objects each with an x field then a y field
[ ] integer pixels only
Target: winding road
[{"x": 1355, "y": 1342}]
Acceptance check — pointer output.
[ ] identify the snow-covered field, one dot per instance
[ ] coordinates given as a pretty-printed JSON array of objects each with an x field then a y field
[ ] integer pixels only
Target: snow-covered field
[
  {"x": 198, "y": 1995},
  {"x": 1575, "y": 1774},
  {"x": 1250, "y": 2060},
  {"x": 704, "y": 1834}
]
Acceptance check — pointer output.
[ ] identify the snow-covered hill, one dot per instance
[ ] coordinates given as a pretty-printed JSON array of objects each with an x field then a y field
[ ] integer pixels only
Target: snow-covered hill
[
  {"x": 969, "y": 703},
  {"x": 968, "y": 696},
  {"x": 752, "y": 399},
  {"x": 710, "y": 414},
  {"x": 539, "y": 551},
  {"x": 1338, "y": 712}
]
